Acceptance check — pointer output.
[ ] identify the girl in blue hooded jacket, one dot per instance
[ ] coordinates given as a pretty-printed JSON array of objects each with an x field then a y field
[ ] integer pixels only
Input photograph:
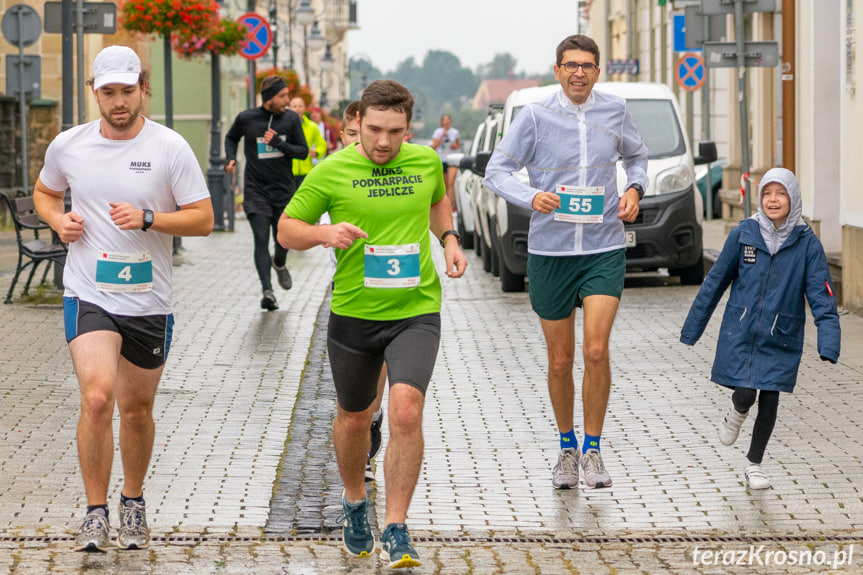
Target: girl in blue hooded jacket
[{"x": 772, "y": 260}]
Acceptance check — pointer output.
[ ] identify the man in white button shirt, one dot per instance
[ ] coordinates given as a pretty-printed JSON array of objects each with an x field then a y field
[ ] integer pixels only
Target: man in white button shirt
[{"x": 570, "y": 143}]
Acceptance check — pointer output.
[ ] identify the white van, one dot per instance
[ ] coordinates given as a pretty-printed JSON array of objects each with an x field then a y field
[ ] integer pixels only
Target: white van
[{"x": 667, "y": 233}]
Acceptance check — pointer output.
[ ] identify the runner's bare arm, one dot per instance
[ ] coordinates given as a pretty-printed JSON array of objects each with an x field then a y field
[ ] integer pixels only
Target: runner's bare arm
[
  {"x": 195, "y": 219},
  {"x": 49, "y": 205},
  {"x": 295, "y": 234},
  {"x": 440, "y": 221}
]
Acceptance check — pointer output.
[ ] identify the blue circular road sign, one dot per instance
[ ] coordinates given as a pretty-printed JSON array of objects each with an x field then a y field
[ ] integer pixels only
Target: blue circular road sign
[
  {"x": 690, "y": 72},
  {"x": 260, "y": 36}
]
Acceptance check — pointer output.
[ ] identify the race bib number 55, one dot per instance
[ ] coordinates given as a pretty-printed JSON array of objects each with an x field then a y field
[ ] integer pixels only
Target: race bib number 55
[
  {"x": 581, "y": 205},
  {"x": 392, "y": 266},
  {"x": 119, "y": 272}
]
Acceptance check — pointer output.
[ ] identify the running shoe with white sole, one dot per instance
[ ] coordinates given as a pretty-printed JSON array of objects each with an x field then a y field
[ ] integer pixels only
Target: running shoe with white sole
[
  {"x": 729, "y": 429},
  {"x": 565, "y": 473},
  {"x": 593, "y": 469},
  {"x": 94, "y": 533},
  {"x": 133, "y": 532}
]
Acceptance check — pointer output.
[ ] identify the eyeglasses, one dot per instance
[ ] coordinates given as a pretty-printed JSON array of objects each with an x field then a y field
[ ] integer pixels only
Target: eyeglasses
[{"x": 572, "y": 67}]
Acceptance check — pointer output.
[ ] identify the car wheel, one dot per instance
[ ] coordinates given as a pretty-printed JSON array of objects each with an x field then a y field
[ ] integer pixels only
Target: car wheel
[
  {"x": 495, "y": 259},
  {"x": 694, "y": 274},
  {"x": 717, "y": 202},
  {"x": 486, "y": 257},
  {"x": 466, "y": 238},
  {"x": 509, "y": 281}
]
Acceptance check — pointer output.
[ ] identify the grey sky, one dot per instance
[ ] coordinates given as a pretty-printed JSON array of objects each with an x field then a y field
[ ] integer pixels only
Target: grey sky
[{"x": 474, "y": 30}]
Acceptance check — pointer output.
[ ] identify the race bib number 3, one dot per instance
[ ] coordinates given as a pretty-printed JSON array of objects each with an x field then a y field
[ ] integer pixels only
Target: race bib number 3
[
  {"x": 119, "y": 272},
  {"x": 392, "y": 266},
  {"x": 581, "y": 205}
]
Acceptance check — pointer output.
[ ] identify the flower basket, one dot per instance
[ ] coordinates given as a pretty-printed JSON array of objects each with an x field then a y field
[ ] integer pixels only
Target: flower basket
[
  {"x": 227, "y": 38},
  {"x": 164, "y": 17}
]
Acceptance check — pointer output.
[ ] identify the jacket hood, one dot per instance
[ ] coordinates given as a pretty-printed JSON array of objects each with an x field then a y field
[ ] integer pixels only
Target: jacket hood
[{"x": 774, "y": 237}]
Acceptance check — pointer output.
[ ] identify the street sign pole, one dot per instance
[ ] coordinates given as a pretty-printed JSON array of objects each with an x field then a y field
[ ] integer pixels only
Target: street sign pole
[
  {"x": 79, "y": 41},
  {"x": 25, "y": 161},
  {"x": 705, "y": 124},
  {"x": 743, "y": 105}
]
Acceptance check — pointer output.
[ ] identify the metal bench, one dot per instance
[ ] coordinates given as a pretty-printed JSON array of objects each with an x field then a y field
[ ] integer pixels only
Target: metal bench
[{"x": 32, "y": 250}]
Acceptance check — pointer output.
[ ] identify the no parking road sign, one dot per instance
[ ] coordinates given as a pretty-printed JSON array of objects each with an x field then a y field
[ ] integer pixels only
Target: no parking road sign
[
  {"x": 690, "y": 72},
  {"x": 260, "y": 36}
]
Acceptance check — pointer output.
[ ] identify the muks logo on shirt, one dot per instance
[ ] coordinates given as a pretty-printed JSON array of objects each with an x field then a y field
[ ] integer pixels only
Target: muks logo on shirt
[
  {"x": 139, "y": 167},
  {"x": 749, "y": 254}
]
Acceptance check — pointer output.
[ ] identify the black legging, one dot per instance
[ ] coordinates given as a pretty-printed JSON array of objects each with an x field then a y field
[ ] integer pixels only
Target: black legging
[
  {"x": 768, "y": 404},
  {"x": 261, "y": 227}
]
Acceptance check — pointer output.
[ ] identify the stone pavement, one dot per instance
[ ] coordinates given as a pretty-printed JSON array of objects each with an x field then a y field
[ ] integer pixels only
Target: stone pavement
[{"x": 243, "y": 476}]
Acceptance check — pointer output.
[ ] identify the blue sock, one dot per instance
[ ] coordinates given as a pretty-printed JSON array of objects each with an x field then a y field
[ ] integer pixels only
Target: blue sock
[
  {"x": 568, "y": 439},
  {"x": 590, "y": 442}
]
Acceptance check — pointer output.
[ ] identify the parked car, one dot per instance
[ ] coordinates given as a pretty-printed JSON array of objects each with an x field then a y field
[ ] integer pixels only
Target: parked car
[
  {"x": 715, "y": 183},
  {"x": 477, "y": 196},
  {"x": 667, "y": 232}
]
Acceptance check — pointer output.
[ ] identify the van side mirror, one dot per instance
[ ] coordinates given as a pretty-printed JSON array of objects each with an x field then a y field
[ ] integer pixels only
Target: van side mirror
[
  {"x": 480, "y": 162},
  {"x": 466, "y": 163},
  {"x": 706, "y": 153}
]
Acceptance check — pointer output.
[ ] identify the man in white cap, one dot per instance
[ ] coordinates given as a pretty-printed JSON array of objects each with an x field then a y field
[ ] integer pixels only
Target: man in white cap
[{"x": 126, "y": 174}]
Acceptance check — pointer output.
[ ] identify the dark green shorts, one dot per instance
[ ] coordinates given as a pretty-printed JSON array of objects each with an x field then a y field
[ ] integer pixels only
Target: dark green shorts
[{"x": 558, "y": 285}]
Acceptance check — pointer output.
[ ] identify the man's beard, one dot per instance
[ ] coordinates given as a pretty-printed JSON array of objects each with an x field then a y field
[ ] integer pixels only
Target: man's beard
[{"x": 129, "y": 121}]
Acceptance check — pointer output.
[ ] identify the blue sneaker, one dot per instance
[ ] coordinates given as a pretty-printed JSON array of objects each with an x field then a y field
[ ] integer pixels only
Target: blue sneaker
[
  {"x": 396, "y": 547},
  {"x": 356, "y": 533}
]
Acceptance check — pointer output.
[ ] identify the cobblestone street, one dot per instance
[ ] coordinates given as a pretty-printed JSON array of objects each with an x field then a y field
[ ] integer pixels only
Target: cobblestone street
[{"x": 243, "y": 477}]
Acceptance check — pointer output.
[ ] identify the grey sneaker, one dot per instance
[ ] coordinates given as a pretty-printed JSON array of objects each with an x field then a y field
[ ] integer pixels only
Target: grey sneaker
[
  {"x": 133, "y": 532},
  {"x": 729, "y": 429},
  {"x": 94, "y": 533},
  {"x": 396, "y": 547},
  {"x": 357, "y": 533},
  {"x": 595, "y": 474},
  {"x": 565, "y": 473},
  {"x": 283, "y": 275},
  {"x": 268, "y": 302}
]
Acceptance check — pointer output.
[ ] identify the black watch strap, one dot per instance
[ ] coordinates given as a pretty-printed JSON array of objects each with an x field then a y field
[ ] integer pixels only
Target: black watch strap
[
  {"x": 450, "y": 233},
  {"x": 148, "y": 220},
  {"x": 639, "y": 189}
]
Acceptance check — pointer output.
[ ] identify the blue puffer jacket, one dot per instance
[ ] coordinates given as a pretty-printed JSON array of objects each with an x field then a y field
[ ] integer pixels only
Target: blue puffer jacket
[{"x": 761, "y": 338}]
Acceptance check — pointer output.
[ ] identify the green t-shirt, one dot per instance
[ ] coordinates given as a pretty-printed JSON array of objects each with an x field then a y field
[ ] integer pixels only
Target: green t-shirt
[{"x": 390, "y": 275}]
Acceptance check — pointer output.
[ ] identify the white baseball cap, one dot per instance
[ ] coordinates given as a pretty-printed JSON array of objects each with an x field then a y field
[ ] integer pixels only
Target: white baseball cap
[{"x": 116, "y": 65}]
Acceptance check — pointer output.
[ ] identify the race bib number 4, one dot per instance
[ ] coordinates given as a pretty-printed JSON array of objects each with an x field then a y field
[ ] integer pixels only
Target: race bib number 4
[
  {"x": 118, "y": 272},
  {"x": 581, "y": 205},
  {"x": 392, "y": 266}
]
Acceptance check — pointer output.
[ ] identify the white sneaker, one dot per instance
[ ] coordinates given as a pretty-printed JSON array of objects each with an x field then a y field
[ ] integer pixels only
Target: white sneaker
[
  {"x": 729, "y": 429},
  {"x": 755, "y": 478}
]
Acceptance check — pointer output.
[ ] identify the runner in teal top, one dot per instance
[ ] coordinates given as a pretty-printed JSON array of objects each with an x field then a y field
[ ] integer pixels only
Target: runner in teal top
[{"x": 383, "y": 197}]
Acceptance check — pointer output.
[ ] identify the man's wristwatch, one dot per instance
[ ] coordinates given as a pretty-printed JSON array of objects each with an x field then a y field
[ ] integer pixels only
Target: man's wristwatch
[
  {"x": 639, "y": 189},
  {"x": 450, "y": 233},
  {"x": 148, "y": 220}
]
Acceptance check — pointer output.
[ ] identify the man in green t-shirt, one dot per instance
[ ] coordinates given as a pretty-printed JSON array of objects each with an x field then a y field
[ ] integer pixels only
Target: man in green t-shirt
[{"x": 383, "y": 197}]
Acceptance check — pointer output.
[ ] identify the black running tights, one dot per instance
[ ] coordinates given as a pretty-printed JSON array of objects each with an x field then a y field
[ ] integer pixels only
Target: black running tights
[
  {"x": 768, "y": 404},
  {"x": 261, "y": 227}
]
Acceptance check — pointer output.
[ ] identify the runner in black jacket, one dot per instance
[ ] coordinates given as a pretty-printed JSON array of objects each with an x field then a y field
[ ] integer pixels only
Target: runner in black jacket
[{"x": 273, "y": 138}]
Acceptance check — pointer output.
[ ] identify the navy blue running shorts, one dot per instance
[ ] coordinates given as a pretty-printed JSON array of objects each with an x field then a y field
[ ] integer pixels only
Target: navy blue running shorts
[{"x": 146, "y": 339}]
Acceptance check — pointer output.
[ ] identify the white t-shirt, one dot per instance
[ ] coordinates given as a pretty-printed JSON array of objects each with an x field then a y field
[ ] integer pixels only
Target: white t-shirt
[
  {"x": 444, "y": 149},
  {"x": 157, "y": 170}
]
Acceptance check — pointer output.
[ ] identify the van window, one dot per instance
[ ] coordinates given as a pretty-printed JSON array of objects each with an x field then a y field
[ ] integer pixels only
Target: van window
[{"x": 657, "y": 123}]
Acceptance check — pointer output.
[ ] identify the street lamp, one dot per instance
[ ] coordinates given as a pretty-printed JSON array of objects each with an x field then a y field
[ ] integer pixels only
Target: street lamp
[
  {"x": 326, "y": 63},
  {"x": 315, "y": 39},
  {"x": 304, "y": 14}
]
